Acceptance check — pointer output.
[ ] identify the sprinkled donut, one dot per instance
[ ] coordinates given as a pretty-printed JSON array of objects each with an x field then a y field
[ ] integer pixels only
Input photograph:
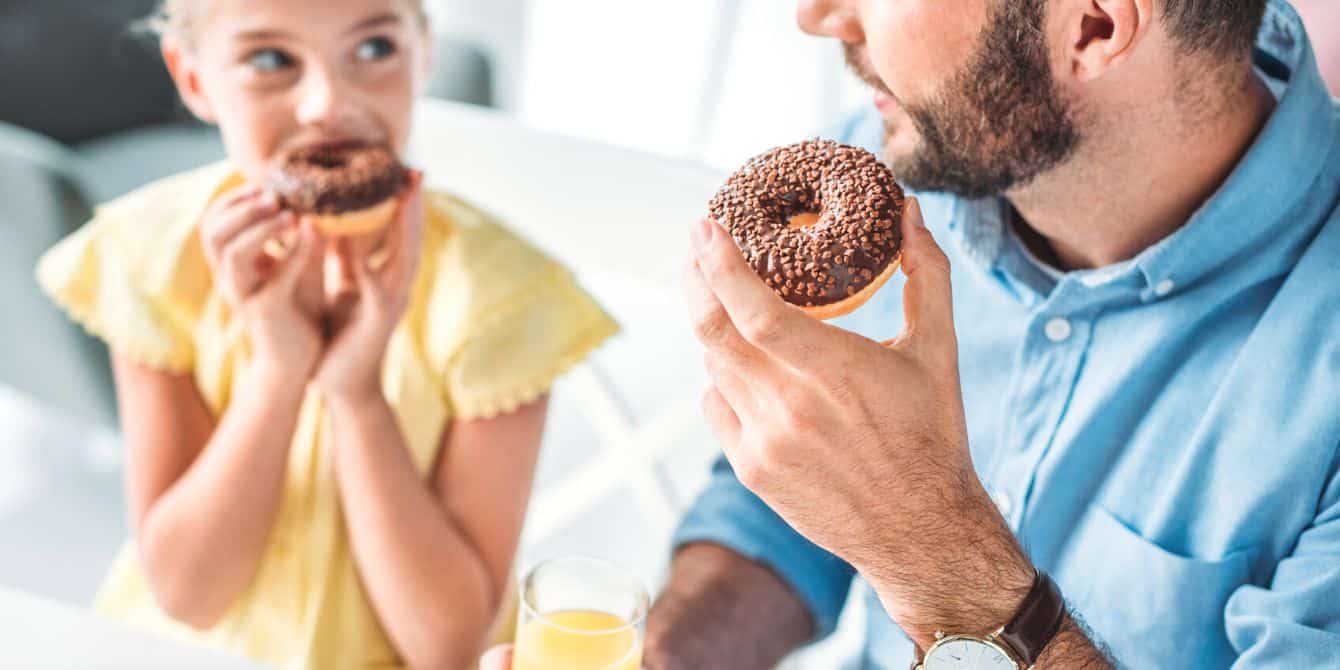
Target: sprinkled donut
[
  {"x": 349, "y": 188},
  {"x": 818, "y": 222}
]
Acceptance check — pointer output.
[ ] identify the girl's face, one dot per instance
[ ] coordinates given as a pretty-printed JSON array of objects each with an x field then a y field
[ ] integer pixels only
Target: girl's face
[
  {"x": 279, "y": 74},
  {"x": 274, "y": 75}
]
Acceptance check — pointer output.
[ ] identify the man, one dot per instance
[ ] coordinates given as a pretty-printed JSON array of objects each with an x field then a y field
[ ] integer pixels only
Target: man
[{"x": 1140, "y": 213}]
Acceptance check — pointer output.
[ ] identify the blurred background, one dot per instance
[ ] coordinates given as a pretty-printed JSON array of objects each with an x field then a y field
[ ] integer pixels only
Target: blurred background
[{"x": 536, "y": 107}]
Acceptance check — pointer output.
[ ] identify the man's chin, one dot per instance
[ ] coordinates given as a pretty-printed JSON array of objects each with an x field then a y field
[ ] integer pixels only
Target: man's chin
[{"x": 900, "y": 148}]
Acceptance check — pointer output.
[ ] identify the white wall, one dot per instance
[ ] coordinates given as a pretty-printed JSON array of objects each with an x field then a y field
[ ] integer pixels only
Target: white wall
[
  {"x": 498, "y": 25},
  {"x": 713, "y": 80}
]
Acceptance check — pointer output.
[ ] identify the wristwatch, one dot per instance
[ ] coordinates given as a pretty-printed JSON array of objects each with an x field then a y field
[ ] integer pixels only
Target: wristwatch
[{"x": 1014, "y": 646}]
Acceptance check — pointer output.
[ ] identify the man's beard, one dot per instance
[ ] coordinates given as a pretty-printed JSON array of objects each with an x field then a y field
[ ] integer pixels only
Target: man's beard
[{"x": 996, "y": 124}]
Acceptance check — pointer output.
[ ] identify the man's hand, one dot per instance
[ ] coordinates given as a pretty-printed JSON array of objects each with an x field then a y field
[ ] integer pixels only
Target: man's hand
[
  {"x": 497, "y": 658},
  {"x": 860, "y": 445}
]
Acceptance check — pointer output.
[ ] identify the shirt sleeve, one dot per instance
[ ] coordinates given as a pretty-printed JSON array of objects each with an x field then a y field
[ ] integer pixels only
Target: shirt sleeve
[
  {"x": 728, "y": 514},
  {"x": 93, "y": 277},
  {"x": 514, "y": 353},
  {"x": 1295, "y": 623}
]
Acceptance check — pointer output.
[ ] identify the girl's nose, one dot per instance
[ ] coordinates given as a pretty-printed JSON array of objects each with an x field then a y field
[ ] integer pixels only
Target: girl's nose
[
  {"x": 838, "y": 19},
  {"x": 322, "y": 98}
]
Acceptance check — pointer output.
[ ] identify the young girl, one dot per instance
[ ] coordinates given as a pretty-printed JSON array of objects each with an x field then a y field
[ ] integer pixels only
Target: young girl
[{"x": 330, "y": 444}]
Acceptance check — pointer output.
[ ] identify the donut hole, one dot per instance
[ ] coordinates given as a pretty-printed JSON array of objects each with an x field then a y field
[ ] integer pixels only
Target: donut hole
[
  {"x": 802, "y": 220},
  {"x": 329, "y": 160}
]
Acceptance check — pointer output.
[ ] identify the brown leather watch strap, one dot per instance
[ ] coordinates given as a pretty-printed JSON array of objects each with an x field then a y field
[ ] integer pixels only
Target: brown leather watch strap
[{"x": 1036, "y": 622}]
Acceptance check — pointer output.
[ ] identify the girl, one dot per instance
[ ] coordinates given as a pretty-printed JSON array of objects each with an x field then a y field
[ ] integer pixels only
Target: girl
[{"x": 330, "y": 444}]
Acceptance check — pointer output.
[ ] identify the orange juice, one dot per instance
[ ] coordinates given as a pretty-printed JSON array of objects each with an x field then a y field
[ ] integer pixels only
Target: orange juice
[{"x": 577, "y": 640}]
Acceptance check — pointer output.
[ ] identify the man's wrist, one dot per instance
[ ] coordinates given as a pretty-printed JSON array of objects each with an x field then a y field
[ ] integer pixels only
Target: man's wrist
[
  {"x": 965, "y": 574},
  {"x": 720, "y": 609}
]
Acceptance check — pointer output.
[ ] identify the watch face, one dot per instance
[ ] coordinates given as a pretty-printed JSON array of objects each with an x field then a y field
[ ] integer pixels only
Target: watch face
[{"x": 967, "y": 654}]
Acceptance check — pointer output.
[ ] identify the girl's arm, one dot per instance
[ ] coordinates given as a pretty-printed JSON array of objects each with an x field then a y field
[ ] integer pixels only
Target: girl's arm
[
  {"x": 435, "y": 555},
  {"x": 203, "y": 498}
]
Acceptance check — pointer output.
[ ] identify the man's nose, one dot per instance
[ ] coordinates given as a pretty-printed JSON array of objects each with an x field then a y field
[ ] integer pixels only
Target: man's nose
[{"x": 838, "y": 19}]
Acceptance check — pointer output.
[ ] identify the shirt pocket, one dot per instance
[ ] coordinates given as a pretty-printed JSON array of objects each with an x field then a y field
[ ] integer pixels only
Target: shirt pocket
[{"x": 1153, "y": 608}]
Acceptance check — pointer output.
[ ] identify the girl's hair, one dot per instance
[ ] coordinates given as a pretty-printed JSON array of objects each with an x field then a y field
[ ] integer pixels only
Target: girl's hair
[{"x": 180, "y": 18}]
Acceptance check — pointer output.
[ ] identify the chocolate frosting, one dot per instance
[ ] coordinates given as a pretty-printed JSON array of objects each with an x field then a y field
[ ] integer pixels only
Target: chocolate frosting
[
  {"x": 337, "y": 178},
  {"x": 856, "y": 237}
]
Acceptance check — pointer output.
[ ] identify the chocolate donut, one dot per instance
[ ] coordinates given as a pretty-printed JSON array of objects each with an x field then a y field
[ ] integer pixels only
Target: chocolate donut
[
  {"x": 818, "y": 222},
  {"x": 349, "y": 187}
]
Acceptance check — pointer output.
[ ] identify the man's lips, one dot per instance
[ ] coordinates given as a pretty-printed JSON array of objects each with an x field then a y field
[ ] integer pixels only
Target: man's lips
[{"x": 858, "y": 61}]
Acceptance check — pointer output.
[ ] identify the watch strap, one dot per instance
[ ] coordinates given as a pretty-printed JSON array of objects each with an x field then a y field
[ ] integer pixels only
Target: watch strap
[{"x": 1036, "y": 622}]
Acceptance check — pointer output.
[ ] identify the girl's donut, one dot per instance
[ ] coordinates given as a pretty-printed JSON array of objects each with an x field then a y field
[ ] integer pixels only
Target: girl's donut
[
  {"x": 349, "y": 188},
  {"x": 818, "y": 221}
]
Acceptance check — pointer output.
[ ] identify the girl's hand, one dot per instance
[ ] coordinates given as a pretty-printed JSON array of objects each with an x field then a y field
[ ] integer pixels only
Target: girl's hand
[
  {"x": 353, "y": 360},
  {"x": 266, "y": 290}
]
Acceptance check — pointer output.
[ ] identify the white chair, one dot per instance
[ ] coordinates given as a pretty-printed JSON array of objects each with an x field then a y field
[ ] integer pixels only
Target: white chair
[{"x": 621, "y": 219}]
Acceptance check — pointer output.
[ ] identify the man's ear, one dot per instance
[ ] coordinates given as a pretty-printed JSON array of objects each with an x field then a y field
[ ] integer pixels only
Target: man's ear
[
  {"x": 181, "y": 64},
  {"x": 1100, "y": 35}
]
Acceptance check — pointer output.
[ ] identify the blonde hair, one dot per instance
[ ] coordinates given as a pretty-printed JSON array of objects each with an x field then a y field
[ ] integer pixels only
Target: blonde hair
[{"x": 181, "y": 18}]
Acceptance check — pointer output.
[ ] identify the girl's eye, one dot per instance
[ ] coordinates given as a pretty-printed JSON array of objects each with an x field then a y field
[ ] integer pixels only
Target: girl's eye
[
  {"x": 269, "y": 60},
  {"x": 374, "y": 49}
]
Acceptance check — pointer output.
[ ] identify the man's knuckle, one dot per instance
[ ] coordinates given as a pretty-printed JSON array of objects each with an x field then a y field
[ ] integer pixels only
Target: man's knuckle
[
  {"x": 713, "y": 326},
  {"x": 762, "y": 328}
]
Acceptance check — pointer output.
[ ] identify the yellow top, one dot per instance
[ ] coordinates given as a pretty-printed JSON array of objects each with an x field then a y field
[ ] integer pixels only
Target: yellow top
[{"x": 490, "y": 325}]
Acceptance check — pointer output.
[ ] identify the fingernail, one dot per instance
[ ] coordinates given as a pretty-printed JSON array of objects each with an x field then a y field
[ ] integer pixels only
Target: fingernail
[
  {"x": 703, "y": 232},
  {"x": 916, "y": 204}
]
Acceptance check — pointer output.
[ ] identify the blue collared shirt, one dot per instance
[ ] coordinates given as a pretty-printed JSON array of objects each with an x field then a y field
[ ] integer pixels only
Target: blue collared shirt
[{"x": 1163, "y": 435}]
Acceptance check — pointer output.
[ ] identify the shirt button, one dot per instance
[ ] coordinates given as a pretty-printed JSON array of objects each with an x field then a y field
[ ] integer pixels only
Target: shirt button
[
  {"x": 1164, "y": 287},
  {"x": 1057, "y": 330}
]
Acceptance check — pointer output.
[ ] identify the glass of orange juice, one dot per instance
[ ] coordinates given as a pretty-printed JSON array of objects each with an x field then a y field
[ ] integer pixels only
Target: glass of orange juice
[{"x": 580, "y": 614}]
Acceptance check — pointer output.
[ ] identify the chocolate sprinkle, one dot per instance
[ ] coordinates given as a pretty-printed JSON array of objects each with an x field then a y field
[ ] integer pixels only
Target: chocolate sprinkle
[
  {"x": 337, "y": 178},
  {"x": 854, "y": 240}
]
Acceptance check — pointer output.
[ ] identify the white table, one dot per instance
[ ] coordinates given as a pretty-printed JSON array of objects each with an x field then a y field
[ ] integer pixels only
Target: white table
[{"x": 40, "y": 634}]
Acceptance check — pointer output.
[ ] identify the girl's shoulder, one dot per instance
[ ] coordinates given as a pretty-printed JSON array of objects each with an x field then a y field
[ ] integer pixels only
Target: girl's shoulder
[
  {"x": 478, "y": 258},
  {"x": 500, "y": 318},
  {"x": 135, "y": 274}
]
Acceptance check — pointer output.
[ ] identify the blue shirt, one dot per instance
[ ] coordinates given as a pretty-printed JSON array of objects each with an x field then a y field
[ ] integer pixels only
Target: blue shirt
[{"x": 1162, "y": 435}]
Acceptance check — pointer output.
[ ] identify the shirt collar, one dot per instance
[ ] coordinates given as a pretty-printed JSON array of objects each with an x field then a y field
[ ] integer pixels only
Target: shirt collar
[
  {"x": 1247, "y": 211},
  {"x": 1276, "y": 174}
]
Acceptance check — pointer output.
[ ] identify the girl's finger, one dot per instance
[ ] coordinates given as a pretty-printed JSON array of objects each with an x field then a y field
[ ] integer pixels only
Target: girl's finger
[
  {"x": 242, "y": 256},
  {"x": 400, "y": 254},
  {"x": 226, "y": 224},
  {"x": 306, "y": 253}
]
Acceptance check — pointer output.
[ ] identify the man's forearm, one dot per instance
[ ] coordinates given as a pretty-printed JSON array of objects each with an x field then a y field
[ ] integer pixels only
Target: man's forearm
[
  {"x": 722, "y": 610},
  {"x": 975, "y": 589},
  {"x": 1073, "y": 648}
]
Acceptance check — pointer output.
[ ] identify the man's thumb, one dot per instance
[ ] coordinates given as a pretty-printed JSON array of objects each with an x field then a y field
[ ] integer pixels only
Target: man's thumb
[
  {"x": 927, "y": 299},
  {"x": 497, "y": 658}
]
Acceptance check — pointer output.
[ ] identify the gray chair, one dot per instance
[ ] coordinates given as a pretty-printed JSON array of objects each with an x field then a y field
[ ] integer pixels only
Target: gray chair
[{"x": 42, "y": 353}]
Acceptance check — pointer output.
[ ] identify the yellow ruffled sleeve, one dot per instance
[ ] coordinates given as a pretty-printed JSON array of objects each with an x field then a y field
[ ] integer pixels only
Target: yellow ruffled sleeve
[
  {"x": 513, "y": 319},
  {"x": 135, "y": 276}
]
